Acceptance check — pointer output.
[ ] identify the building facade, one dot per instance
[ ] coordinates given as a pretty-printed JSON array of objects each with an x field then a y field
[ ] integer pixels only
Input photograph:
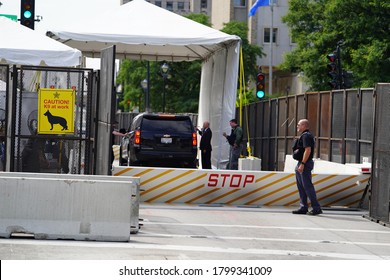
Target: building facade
[
  {"x": 181, "y": 7},
  {"x": 259, "y": 33}
]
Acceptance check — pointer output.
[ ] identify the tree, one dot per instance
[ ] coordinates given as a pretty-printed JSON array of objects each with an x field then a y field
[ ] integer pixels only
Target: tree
[
  {"x": 184, "y": 86},
  {"x": 200, "y": 18},
  {"x": 362, "y": 26},
  {"x": 130, "y": 75}
]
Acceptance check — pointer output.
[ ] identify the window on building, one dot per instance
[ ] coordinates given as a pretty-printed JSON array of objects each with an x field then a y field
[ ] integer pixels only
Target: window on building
[
  {"x": 180, "y": 5},
  {"x": 203, "y": 4},
  {"x": 239, "y": 3},
  {"x": 157, "y": 3},
  {"x": 169, "y": 5},
  {"x": 267, "y": 35}
]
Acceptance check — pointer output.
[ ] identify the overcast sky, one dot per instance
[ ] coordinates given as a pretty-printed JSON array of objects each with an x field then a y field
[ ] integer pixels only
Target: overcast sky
[{"x": 60, "y": 14}]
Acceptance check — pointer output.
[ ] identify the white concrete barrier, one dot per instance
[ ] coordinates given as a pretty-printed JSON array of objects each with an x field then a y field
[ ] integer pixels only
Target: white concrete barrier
[
  {"x": 65, "y": 206},
  {"x": 328, "y": 167},
  {"x": 135, "y": 188},
  {"x": 249, "y": 163}
]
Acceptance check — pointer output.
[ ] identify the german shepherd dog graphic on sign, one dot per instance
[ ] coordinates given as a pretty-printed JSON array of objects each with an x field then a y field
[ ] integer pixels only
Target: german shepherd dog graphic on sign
[{"x": 56, "y": 120}]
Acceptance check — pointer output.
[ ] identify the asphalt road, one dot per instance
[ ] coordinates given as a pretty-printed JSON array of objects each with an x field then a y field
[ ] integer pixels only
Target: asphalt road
[{"x": 196, "y": 232}]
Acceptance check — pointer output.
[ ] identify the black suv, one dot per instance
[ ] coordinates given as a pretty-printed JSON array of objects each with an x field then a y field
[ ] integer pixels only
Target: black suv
[{"x": 160, "y": 140}]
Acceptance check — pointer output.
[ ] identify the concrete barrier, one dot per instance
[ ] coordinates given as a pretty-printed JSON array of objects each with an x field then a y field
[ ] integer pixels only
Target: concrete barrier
[
  {"x": 250, "y": 163},
  {"x": 66, "y": 206},
  {"x": 243, "y": 187},
  {"x": 328, "y": 167},
  {"x": 135, "y": 189}
]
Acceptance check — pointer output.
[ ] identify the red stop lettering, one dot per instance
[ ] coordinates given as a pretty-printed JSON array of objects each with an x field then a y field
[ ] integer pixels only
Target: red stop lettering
[{"x": 230, "y": 180}]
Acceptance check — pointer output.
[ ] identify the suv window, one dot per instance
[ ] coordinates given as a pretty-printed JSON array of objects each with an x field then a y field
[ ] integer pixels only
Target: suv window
[
  {"x": 160, "y": 140},
  {"x": 166, "y": 125}
]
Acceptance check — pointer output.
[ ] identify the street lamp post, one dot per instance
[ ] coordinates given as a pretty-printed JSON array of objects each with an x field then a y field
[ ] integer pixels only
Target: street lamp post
[
  {"x": 164, "y": 73},
  {"x": 144, "y": 85},
  {"x": 147, "y": 97}
]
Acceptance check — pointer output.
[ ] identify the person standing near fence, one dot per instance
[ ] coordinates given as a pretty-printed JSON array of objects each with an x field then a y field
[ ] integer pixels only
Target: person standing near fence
[
  {"x": 115, "y": 132},
  {"x": 235, "y": 142},
  {"x": 303, "y": 151}
]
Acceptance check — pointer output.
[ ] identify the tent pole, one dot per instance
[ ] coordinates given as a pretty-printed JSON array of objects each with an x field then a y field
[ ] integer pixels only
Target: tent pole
[{"x": 271, "y": 47}]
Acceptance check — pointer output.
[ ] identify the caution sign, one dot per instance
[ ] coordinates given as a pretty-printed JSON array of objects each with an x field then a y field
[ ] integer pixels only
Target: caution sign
[{"x": 56, "y": 111}]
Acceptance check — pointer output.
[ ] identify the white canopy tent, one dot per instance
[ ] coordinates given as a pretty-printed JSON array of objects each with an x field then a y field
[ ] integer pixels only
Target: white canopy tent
[
  {"x": 143, "y": 31},
  {"x": 22, "y": 45}
]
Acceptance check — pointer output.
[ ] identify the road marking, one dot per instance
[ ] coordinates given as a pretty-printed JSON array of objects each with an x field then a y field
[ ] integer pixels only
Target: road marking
[
  {"x": 180, "y": 248},
  {"x": 269, "y": 227},
  {"x": 219, "y": 237}
]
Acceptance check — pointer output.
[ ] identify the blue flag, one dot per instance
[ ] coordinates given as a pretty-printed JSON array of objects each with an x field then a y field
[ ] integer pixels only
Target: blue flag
[{"x": 258, "y": 4}]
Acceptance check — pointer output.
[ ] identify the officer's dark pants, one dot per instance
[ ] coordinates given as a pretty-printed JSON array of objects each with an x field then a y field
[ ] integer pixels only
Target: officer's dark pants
[
  {"x": 206, "y": 159},
  {"x": 305, "y": 186},
  {"x": 234, "y": 156}
]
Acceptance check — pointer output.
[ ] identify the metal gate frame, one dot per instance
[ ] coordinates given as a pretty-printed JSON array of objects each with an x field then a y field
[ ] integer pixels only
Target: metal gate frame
[
  {"x": 105, "y": 115},
  {"x": 380, "y": 180},
  {"x": 26, "y": 80},
  {"x": 4, "y": 76}
]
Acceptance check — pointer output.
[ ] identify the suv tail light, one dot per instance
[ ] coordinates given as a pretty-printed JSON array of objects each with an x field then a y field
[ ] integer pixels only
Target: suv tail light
[
  {"x": 137, "y": 138},
  {"x": 194, "y": 139}
]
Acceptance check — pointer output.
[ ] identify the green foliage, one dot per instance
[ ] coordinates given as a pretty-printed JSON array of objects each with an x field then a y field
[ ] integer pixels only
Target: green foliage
[
  {"x": 185, "y": 81},
  {"x": 200, "y": 18},
  {"x": 250, "y": 52},
  {"x": 318, "y": 25},
  {"x": 181, "y": 87},
  {"x": 130, "y": 75},
  {"x": 248, "y": 97}
]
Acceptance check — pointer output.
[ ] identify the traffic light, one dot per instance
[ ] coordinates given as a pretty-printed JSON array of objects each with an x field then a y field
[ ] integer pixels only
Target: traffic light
[
  {"x": 260, "y": 85},
  {"x": 347, "y": 79},
  {"x": 27, "y": 13},
  {"x": 333, "y": 71}
]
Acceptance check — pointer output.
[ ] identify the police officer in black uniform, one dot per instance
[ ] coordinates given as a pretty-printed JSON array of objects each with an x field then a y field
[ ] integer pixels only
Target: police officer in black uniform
[{"x": 303, "y": 152}]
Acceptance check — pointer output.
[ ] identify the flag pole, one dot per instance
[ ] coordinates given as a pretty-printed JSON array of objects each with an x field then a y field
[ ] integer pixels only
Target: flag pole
[{"x": 271, "y": 2}]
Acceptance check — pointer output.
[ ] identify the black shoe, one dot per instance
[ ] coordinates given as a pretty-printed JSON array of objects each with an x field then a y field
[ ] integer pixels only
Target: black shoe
[
  {"x": 301, "y": 211},
  {"x": 314, "y": 212}
]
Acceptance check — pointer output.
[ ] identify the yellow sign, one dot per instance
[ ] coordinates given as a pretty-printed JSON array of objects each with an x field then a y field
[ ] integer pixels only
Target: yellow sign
[{"x": 56, "y": 111}]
